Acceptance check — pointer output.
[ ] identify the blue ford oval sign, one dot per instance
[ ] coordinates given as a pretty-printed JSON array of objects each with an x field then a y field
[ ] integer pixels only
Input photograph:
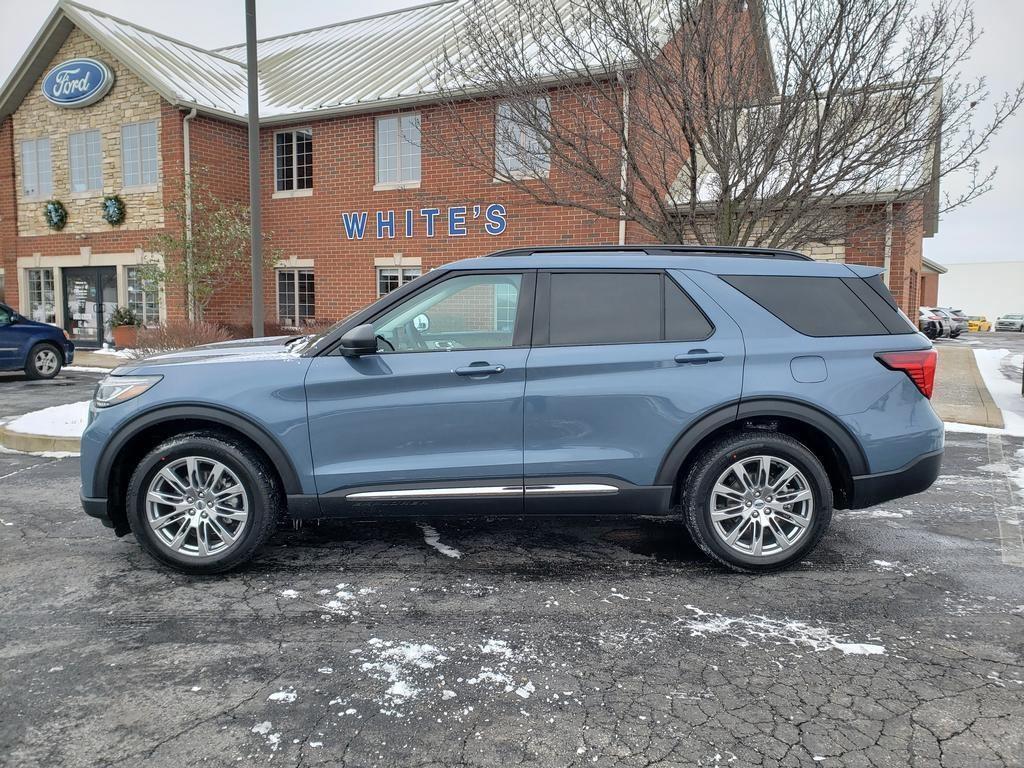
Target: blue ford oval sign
[{"x": 77, "y": 82}]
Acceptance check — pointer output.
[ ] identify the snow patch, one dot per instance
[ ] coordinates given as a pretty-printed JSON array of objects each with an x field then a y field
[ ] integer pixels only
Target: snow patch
[
  {"x": 286, "y": 697},
  {"x": 873, "y": 513},
  {"x": 752, "y": 630},
  {"x": 1005, "y": 391},
  {"x": 289, "y": 594},
  {"x": 433, "y": 538},
  {"x": 57, "y": 421}
]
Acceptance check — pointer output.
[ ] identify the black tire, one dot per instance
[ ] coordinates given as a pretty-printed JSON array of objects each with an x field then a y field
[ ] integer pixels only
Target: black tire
[
  {"x": 714, "y": 460},
  {"x": 36, "y": 365},
  {"x": 255, "y": 475}
]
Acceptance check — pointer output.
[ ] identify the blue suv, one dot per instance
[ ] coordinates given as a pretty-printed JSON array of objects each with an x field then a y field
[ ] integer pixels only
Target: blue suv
[
  {"x": 749, "y": 392},
  {"x": 38, "y": 349}
]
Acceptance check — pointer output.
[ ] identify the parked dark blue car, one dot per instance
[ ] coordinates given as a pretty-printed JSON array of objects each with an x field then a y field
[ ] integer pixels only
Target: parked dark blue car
[
  {"x": 746, "y": 392},
  {"x": 39, "y": 349}
]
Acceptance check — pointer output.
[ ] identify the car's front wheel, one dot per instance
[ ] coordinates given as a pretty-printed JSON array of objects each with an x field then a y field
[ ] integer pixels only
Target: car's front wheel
[
  {"x": 44, "y": 362},
  {"x": 757, "y": 500},
  {"x": 203, "y": 502}
]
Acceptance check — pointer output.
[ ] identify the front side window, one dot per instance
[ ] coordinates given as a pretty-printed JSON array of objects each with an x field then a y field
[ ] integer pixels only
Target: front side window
[
  {"x": 390, "y": 278},
  {"x": 41, "y": 306},
  {"x": 296, "y": 297},
  {"x": 457, "y": 313},
  {"x": 143, "y": 297},
  {"x": 521, "y": 149},
  {"x": 293, "y": 160},
  {"x": 620, "y": 308},
  {"x": 398, "y": 149},
  {"x": 86, "y": 161},
  {"x": 36, "y": 171},
  {"x": 139, "y": 154},
  {"x": 5, "y": 315}
]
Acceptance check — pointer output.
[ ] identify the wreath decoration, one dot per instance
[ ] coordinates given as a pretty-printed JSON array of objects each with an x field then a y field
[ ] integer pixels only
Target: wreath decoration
[
  {"x": 56, "y": 215},
  {"x": 113, "y": 210}
]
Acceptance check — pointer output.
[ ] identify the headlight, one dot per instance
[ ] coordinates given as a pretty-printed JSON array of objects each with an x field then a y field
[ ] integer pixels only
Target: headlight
[{"x": 117, "y": 389}]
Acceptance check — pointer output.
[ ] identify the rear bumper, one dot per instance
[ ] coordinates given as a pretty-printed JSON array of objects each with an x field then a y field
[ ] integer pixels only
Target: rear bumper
[
  {"x": 915, "y": 477},
  {"x": 97, "y": 508}
]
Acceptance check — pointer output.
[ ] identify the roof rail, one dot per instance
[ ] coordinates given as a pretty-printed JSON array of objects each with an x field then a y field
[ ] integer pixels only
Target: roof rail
[{"x": 661, "y": 249}]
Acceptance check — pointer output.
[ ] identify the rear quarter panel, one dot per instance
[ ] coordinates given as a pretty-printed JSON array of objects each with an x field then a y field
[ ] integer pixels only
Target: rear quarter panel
[{"x": 882, "y": 409}]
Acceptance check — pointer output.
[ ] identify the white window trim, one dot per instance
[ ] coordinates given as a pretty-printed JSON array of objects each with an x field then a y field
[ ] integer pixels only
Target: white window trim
[
  {"x": 21, "y": 160},
  {"x": 384, "y": 186},
  {"x": 148, "y": 186},
  {"x": 401, "y": 273},
  {"x": 90, "y": 191},
  {"x": 294, "y": 191},
  {"x": 289, "y": 267},
  {"x": 505, "y": 177}
]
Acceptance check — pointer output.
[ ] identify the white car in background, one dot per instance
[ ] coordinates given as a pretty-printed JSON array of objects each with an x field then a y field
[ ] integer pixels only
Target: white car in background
[{"x": 1010, "y": 323}]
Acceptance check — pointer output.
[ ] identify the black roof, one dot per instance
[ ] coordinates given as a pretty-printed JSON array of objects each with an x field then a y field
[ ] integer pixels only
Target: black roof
[{"x": 662, "y": 249}]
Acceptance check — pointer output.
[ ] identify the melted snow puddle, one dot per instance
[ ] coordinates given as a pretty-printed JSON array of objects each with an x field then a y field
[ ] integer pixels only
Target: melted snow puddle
[
  {"x": 433, "y": 538},
  {"x": 751, "y": 630}
]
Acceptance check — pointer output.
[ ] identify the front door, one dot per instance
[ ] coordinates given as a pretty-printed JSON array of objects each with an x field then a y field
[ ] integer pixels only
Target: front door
[
  {"x": 90, "y": 297},
  {"x": 435, "y": 418}
]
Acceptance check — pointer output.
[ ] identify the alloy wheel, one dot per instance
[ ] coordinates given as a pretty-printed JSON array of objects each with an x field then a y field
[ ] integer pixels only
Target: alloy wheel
[
  {"x": 197, "y": 506},
  {"x": 761, "y": 505},
  {"x": 46, "y": 362}
]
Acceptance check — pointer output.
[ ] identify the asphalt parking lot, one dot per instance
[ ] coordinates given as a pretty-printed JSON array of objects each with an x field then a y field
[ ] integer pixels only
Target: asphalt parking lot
[{"x": 900, "y": 641}]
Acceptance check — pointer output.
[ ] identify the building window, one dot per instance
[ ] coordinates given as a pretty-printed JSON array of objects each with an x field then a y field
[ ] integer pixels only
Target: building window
[
  {"x": 520, "y": 148},
  {"x": 139, "y": 154},
  {"x": 296, "y": 297},
  {"x": 506, "y": 297},
  {"x": 36, "y": 172},
  {"x": 41, "y": 306},
  {"x": 389, "y": 278},
  {"x": 143, "y": 297},
  {"x": 398, "y": 149},
  {"x": 85, "y": 159},
  {"x": 293, "y": 160}
]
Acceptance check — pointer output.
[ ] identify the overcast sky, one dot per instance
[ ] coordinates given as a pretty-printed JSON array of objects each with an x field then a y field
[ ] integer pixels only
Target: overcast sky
[{"x": 987, "y": 230}]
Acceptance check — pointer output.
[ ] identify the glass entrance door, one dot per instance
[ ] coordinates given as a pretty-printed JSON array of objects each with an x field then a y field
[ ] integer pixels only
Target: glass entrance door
[{"x": 90, "y": 296}]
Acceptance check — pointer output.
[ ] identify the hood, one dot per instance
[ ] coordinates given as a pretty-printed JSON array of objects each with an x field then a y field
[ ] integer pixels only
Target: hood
[{"x": 242, "y": 350}]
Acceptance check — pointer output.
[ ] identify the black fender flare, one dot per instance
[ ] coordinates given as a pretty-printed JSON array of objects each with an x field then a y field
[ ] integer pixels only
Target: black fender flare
[
  {"x": 214, "y": 414},
  {"x": 677, "y": 455}
]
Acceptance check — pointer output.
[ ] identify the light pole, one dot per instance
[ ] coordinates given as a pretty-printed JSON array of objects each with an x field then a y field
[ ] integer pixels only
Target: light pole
[{"x": 255, "y": 235}]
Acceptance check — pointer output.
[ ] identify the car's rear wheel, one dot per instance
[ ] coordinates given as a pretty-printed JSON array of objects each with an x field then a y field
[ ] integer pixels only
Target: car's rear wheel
[
  {"x": 757, "y": 501},
  {"x": 44, "y": 362},
  {"x": 203, "y": 502}
]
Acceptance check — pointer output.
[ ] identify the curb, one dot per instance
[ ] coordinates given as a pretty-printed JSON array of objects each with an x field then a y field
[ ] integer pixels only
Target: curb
[
  {"x": 960, "y": 392},
  {"x": 28, "y": 443}
]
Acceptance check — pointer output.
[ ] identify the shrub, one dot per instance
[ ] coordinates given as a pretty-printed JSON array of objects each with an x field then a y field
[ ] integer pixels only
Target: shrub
[
  {"x": 178, "y": 335},
  {"x": 123, "y": 316}
]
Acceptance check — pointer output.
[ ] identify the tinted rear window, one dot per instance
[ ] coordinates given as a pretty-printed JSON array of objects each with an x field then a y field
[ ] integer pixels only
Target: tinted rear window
[
  {"x": 824, "y": 306},
  {"x": 616, "y": 308}
]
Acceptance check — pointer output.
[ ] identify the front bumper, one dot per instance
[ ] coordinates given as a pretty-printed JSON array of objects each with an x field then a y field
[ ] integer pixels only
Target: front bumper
[{"x": 915, "y": 477}]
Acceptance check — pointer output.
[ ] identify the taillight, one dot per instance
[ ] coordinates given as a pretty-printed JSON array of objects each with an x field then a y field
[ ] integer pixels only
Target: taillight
[{"x": 918, "y": 364}]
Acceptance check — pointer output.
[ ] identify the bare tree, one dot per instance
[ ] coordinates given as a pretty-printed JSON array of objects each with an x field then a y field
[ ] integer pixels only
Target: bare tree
[{"x": 717, "y": 121}]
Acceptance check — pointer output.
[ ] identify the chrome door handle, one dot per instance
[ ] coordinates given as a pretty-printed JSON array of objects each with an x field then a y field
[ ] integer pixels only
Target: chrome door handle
[
  {"x": 479, "y": 370},
  {"x": 699, "y": 357}
]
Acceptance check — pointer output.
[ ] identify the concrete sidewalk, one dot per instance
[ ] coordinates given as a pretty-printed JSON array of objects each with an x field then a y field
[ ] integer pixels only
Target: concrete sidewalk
[
  {"x": 960, "y": 392},
  {"x": 87, "y": 358}
]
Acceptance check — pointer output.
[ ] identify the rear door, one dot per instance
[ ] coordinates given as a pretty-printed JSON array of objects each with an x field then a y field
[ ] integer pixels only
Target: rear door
[{"x": 622, "y": 363}]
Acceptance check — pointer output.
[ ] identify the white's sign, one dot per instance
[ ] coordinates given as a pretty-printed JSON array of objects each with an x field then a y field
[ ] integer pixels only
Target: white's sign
[
  {"x": 77, "y": 82},
  {"x": 454, "y": 221}
]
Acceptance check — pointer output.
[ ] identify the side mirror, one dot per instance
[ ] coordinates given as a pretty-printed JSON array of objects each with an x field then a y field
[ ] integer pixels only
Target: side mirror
[{"x": 361, "y": 340}]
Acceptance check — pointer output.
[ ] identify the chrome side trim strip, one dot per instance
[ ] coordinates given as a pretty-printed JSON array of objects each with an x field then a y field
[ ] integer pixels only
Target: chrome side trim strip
[
  {"x": 573, "y": 488},
  {"x": 577, "y": 489},
  {"x": 435, "y": 493}
]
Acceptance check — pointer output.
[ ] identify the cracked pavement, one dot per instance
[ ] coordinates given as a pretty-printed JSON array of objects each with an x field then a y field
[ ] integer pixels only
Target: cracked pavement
[{"x": 599, "y": 642}]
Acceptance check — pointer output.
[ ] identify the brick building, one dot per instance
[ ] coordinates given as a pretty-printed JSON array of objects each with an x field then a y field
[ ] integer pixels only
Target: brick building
[{"x": 353, "y": 204}]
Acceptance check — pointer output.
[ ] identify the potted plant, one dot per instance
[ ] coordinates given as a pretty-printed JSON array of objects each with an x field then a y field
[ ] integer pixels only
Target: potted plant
[{"x": 124, "y": 326}]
